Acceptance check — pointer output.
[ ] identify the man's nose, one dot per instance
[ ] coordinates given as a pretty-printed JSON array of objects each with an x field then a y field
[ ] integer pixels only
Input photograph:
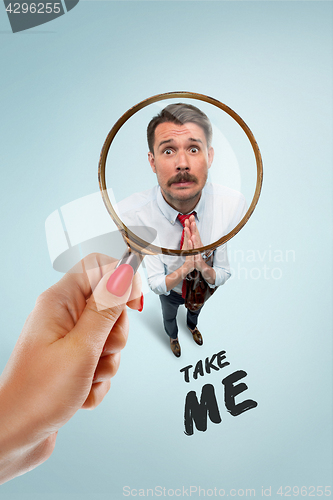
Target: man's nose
[{"x": 182, "y": 163}]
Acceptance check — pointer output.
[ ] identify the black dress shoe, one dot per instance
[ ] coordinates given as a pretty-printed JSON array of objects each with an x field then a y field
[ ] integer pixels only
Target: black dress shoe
[
  {"x": 197, "y": 337},
  {"x": 175, "y": 347}
]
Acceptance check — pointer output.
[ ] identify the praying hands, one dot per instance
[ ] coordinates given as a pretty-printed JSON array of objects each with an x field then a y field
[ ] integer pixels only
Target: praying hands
[{"x": 192, "y": 240}]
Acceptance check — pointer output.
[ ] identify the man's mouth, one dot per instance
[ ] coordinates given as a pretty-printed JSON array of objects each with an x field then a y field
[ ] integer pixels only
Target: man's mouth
[
  {"x": 182, "y": 180},
  {"x": 182, "y": 183}
]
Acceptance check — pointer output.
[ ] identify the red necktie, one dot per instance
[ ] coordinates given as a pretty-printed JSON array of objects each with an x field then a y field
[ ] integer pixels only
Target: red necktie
[{"x": 182, "y": 218}]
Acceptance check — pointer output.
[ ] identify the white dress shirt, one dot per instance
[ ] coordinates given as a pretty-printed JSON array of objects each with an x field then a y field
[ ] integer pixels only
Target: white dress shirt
[{"x": 218, "y": 211}]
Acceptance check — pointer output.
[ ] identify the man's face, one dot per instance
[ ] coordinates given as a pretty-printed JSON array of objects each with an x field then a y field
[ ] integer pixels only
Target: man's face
[{"x": 181, "y": 160}]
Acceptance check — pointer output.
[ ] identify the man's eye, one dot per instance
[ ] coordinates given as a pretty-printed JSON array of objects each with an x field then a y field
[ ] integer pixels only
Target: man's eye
[
  {"x": 194, "y": 149},
  {"x": 168, "y": 151}
]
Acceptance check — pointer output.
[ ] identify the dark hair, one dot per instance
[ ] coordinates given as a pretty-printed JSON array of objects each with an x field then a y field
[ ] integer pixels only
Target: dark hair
[{"x": 179, "y": 113}]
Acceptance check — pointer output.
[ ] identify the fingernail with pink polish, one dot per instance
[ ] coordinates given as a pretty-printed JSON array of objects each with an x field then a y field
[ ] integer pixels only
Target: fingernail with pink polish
[
  {"x": 141, "y": 303},
  {"x": 120, "y": 280}
]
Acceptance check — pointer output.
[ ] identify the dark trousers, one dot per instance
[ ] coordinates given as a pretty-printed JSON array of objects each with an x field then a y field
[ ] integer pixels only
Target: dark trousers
[{"x": 170, "y": 304}]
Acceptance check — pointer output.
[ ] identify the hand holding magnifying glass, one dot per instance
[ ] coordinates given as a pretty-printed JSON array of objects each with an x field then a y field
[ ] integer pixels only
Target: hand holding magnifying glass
[{"x": 68, "y": 351}]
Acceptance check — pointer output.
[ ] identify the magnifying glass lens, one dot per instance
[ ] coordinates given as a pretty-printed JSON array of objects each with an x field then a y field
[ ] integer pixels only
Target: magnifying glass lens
[{"x": 201, "y": 159}]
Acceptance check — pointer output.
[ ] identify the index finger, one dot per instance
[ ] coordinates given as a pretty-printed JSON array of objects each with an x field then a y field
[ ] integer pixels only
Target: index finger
[{"x": 187, "y": 237}]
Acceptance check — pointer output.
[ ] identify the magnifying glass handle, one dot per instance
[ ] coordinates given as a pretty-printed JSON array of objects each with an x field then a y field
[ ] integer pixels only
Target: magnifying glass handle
[{"x": 132, "y": 258}]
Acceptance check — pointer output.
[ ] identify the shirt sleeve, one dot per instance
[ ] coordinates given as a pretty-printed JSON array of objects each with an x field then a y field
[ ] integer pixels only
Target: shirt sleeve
[
  {"x": 156, "y": 272},
  {"x": 221, "y": 266},
  {"x": 221, "y": 262}
]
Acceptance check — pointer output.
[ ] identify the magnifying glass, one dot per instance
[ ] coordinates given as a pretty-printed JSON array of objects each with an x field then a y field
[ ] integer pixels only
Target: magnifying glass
[{"x": 140, "y": 242}]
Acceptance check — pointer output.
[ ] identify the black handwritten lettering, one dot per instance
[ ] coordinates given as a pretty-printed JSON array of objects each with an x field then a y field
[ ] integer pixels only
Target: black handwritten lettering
[
  {"x": 186, "y": 369},
  {"x": 231, "y": 391},
  {"x": 198, "y": 370},
  {"x": 197, "y": 412},
  {"x": 209, "y": 364},
  {"x": 220, "y": 357}
]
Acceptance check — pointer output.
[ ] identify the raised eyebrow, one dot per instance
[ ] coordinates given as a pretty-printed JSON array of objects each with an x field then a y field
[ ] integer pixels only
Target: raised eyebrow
[
  {"x": 167, "y": 141},
  {"x": 192, "y": 139},
  {"x": 170, "y": 141}
]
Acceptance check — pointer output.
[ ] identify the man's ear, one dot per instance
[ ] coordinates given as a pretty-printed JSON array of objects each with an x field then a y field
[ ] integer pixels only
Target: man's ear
[
  {"x": 151, "y": 160},
  {"x": 210, "y": 156}
]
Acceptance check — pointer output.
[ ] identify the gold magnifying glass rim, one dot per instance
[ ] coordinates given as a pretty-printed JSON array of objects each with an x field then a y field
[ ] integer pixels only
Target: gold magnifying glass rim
[{"x": 132, "y": 240}]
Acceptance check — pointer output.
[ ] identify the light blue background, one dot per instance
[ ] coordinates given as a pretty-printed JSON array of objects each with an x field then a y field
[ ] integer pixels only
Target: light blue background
[{"x": 63, "y": 85}]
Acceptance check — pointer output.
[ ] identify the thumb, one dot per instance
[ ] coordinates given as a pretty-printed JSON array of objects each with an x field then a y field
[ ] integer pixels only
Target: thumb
[{"x": 98, "y": 318}]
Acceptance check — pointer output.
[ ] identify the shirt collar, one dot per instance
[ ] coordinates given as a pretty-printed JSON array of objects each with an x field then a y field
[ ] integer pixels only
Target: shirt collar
[{"x": 171, "y": 214}]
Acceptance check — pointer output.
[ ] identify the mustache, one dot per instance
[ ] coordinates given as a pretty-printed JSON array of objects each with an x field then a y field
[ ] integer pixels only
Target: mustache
[{"x": 182, "y": 177}]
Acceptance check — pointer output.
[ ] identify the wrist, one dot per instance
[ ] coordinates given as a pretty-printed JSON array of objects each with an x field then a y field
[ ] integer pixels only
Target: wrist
[
  {"x": 15, "y": 430},
  {"x": 202, "y": 260},
  {"x": 15, "y": 461},
  {"x": 22, "y": 448},
  {"x": 23, "y": 443}
]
